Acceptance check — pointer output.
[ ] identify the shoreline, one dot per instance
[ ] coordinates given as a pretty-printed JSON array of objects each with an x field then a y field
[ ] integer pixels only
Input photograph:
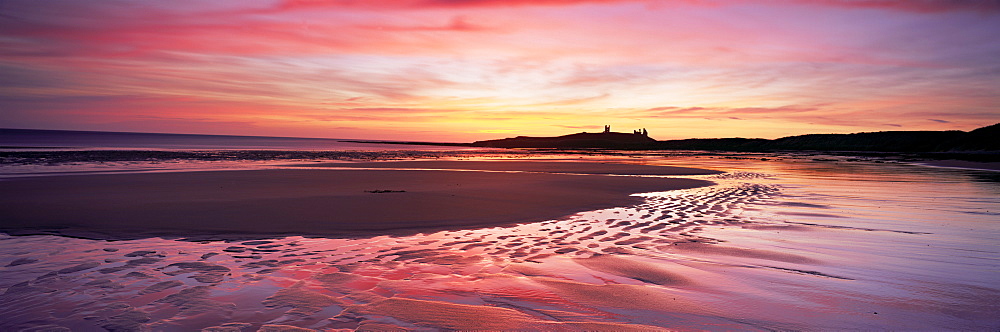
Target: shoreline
[
  {"x": 241, "y": 204},
  {"x": 550, "y": 167},
  {"x": 962, "y": 164},
  {"x": 789, "y": 244}
]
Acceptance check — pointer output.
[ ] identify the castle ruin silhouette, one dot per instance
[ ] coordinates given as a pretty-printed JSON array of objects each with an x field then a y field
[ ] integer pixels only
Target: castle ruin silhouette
[{"x": 643, "y": 132}]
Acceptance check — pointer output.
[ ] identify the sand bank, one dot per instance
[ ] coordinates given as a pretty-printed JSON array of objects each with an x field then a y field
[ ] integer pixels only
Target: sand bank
[
  {"x": 557, "y": 167},
  {"x": 255, "y": 203},
  {"x": 991, "y": 166}
]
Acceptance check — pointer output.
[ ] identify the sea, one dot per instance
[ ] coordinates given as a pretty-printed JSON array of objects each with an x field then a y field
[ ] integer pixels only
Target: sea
[
  {"x": 36, "y": 139},
  {"x": 782, "y": 241},
  {"x": 33, "y": 152}
]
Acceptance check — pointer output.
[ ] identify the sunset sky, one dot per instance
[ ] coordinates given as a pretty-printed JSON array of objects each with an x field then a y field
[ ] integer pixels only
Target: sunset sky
[{"x": 463, "y": 70}]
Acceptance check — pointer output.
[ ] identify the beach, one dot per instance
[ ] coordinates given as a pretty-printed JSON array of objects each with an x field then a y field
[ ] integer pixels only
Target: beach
[
  {"x": 473, "y": 165},
  {"x": 609, "y": 243},
  {"x": 315, "y": 202}
]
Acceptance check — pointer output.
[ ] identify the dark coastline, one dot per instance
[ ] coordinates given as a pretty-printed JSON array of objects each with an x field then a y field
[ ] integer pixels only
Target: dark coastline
[
  {"x": 979, "y": 145},
  {"x": 21, "y": 148},
  {"x": 985, "y": 140},
  {"x": 981, "y": 140}
]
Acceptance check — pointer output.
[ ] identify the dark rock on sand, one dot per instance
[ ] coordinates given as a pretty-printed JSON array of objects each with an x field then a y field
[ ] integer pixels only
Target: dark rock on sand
[
  {"x": 228, "y": 327},
  {"x": 142, "y": 253},
  {"x": 195, "y": 300},
  {"x": 130, "y": 320},
  {"x": 302, "y": 301},
  {"x": 22, "y": 261},
  {"x": 204, "y": 272},
  {"x": 80, "y": 267},
  {"x": 161, "y": 286}
]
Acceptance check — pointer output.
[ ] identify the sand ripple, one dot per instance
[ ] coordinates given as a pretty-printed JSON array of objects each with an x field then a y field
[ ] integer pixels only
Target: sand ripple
[
  {"x": 386, "y": 282},
  {"x": 629, "y": 268}
]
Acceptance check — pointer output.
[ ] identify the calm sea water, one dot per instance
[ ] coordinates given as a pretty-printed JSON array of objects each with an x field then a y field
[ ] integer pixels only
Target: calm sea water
[
  {"x": 787, "y": 243},
  {"x": 19, "y": 139},
  {"x": 27, "y": 152}
]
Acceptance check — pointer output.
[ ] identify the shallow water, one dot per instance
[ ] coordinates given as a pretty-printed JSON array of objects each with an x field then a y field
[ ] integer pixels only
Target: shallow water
[
  {"x": 787, "y": 243},
  {"x": 63, "y": 140}
]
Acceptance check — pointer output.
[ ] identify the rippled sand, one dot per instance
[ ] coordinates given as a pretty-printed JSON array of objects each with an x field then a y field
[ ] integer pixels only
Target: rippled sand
[{"x": 751, "y": 252}]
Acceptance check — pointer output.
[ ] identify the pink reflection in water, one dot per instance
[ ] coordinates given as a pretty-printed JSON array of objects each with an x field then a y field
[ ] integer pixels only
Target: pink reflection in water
[{"x": 789, "y": 244}]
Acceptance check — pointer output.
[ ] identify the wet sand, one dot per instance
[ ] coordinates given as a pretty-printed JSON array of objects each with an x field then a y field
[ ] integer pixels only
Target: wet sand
[
  {"x": 789, "y": 245},
  {"x": 993, "y": 166},
  {"x": 311, "y": 202},
  {"x": 555, "y": 167}
]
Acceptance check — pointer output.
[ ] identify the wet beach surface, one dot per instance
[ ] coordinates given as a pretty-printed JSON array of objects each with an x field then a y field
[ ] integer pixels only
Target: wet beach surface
[{"x": 775, "y": 244}]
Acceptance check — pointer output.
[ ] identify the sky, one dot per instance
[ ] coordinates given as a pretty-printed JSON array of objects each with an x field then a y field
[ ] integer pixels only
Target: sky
[{"x": 465, "y": 70}]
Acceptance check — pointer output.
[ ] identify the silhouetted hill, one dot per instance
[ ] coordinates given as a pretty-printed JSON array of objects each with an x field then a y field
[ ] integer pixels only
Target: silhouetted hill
[
  {"x": 895, "y": 141},
  {"x": 722, "y": 144},
  {"x": 574, "y": 141},
  {"x": 982, "y": 139}
]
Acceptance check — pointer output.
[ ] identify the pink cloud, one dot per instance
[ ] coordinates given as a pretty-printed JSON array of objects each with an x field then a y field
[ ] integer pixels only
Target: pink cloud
[
  {"x": 701, "y": 112},
  {"x": 292, "y": 30},
  {"x": 909, "y": 5},
  {"x": 457, "y": 23},
  {"x": 923, "y": 6},
  {"x": 832, "y": 62},
  {"x": 412, "y": 4}
]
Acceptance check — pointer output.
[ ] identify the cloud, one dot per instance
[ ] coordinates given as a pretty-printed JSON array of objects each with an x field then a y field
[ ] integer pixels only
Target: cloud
[
  {"x": 791, "y": 109},
  {"x": 416, "y": 4},
  {"x": 392, "y": 115},
  {"x": 456, "y": 24},
  {"x": 829, "y": 115},
  {"x": 921, "y": 6},
  {"x": 908, "y": 5},
  {"x": 13, "y": 77},
  {"x": 573, "y": 101},
  {"x": 675, "y": 110},
  {"x": 492, "y": 64},
  {"x": 578, "y": 127},
  {"x": 735, "y": 113}
]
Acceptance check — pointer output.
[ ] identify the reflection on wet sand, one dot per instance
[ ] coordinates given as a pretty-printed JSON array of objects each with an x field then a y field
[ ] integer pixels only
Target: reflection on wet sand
[{"x": 756, "y": 251}]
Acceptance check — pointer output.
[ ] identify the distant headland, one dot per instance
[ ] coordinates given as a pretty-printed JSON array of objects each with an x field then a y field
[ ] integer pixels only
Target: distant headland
[
  {"x": 638, "y": 139},
  {"x": 981, "y": 139}
]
